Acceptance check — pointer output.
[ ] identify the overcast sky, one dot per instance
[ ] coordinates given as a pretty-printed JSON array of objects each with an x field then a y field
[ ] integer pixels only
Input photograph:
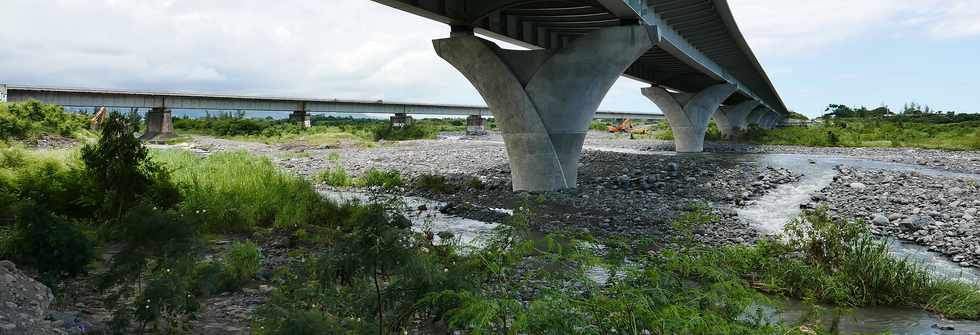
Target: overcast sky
[{"x": 858, "y": 52}]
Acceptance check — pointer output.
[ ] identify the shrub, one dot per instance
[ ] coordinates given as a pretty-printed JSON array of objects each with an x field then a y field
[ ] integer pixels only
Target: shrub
[
  {"x": 413, "y": 131},
  {"x": 435, "y": 184},
  {"x": 121, "y": 173},
  {"x": 25, "y": 120},
  {"x": 49, "y": 242},
  {"x": 243, "y": 261},
  {"x": 336, "y": 177},
  {"x": 379, "y": 178}
]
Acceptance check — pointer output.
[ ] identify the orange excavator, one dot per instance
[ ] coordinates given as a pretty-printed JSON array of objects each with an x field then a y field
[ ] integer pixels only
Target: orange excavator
[
  {"x": 99, "y": 117},
  {"x": 626, "y": 127}
]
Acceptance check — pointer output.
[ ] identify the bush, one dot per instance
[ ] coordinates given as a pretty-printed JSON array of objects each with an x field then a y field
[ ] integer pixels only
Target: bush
[
  {"x": 121, "y": 173},
  {"x": 435, "y": 184},
  {"x": 414, "y": 131},
  {"x": 30, "y": 119},
  {"x": 49, "y": 243},
  {"x": 243, "y": 261},
  {"x": 336, "y": 177},
  {"x": 378, "y": 178}
]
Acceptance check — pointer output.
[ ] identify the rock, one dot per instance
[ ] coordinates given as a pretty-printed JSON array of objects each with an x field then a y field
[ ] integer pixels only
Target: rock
[
  {"x": 918, "y": 222},
  {"x": 859, "y": 186},
  {"x": 24, "y": 302},
  {"x": 880, "y": 220},
  {"x": 673, "y": 167}
]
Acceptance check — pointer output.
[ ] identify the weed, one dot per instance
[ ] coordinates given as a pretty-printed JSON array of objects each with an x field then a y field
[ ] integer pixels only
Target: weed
[
  {"x": 435, "y": 184},
  {"x": 336, "y": 177},
  {"x": 379, "y": 178},
  {"x": 243, "y": 261}
]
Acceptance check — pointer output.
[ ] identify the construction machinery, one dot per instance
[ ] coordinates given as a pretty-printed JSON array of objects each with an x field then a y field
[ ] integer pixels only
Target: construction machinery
[{"x": 627, "y": 127}]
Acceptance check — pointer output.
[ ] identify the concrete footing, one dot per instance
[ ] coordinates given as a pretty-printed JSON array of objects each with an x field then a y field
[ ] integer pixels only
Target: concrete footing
[
  {"x": 301, "y": 118},
  {"x": 159, "y": 125},
  {"x": 543, "y": 100},
  {"x": 733, "y": 120},
  {"x": 476, "y": 125},
  {"x": 400, "y": 120},
  {"x": 689, "y": 114}
]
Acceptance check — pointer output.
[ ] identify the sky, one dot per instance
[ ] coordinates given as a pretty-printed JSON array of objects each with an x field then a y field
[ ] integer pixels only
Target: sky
[{"x": 854, "y": 52}]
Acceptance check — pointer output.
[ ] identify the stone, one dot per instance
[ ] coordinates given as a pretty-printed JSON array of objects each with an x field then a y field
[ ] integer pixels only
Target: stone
[
  {"x": 880, "y": 219},
  {"x": 24, "y": 311},
  {"x": 858, "y": 186},
  {"x": 918, "y": 222}
]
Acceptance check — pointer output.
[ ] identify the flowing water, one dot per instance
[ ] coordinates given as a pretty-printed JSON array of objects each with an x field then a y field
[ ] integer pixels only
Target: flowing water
[
  {"x": 773, "y": 211},
  {"x": 769, "y": 214}
]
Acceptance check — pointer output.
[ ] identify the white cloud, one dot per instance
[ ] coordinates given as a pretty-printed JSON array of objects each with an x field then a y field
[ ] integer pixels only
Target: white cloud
[{"x": 789, "y": 28}]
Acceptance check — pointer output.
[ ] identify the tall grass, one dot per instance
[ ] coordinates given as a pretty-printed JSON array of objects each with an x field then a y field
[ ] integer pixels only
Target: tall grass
[
  {"x": 237, "y": 191},
  {"x": 836, "y": 262}
]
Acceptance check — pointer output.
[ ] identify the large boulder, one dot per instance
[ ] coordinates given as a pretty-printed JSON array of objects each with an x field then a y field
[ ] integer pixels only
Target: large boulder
[
  {"x": 917, "y": 222},
  {"x": 24, "y": 303}
]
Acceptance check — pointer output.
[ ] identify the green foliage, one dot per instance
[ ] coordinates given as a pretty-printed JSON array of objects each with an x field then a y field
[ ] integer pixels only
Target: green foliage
[
  {"x": 30, "y": 119},
  {"x": 238, "y": 191},
  {"x": 380, "y": 178},
  {"x": 150, "y": 280},
  {"x": 48, "y": 242},
  {"x": 414, "y": 131},
  {"x": 435, "y": 184},
  {"x": 890, "y": 132},
  {"x": 836, "y": 262},
  {"x": 600, "y": 125},
  {"x": 121, "y": 172},
  {"x": 336, "y": 177},
  {"x": 243, "y": 261}
]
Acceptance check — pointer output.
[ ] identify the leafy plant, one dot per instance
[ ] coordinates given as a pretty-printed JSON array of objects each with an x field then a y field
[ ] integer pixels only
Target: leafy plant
[
  {"x": 435, "y": 184},
  {"x": 243, "y": 261},
  {"x": 336, "y": 177},
  {"x": 49, "y": 242},
  {"x": 379, "y": 178}
]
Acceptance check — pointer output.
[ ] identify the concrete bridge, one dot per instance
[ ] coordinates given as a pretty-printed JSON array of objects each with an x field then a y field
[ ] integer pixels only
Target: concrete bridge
[
  {"x": 160, "y": 104},
  {"x": 691, "y": 52}
]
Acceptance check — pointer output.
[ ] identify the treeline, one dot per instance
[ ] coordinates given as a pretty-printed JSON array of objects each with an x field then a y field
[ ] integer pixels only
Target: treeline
[
  {"x": 232, "y": 125},
  {"x": 911, "y": 112}
]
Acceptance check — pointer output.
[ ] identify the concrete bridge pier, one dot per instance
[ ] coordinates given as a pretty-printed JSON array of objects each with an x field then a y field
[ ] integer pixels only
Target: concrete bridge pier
[
  {"x": 400, "y": 120},
  {"x": 476, "y": 125},
  {"x": 689, "y": 114},
  {"x": 544, "y": 100},
  {"x": 732, "y": 120},
  {"x": 302, "y": 118},
  {"x": 756, "y": 116},
  {"x": 159, "y": 124}
]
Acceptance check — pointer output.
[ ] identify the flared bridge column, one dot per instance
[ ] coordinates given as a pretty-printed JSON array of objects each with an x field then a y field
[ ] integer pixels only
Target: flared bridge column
[
  {"x": 689, "y": 114},
  {"x": 301, "y": 118},
  {"x": 732, "y": 120},
  {"x": 543, "y": 100},
  {"x": 755, "y": 118}
]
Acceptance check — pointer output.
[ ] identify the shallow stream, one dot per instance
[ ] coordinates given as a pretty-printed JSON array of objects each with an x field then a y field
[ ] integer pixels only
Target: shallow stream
[{"x": 769, "y": 214}]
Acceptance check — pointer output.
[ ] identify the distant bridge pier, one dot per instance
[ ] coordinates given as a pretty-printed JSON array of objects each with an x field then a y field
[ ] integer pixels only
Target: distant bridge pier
[
  {"x": 301, "y": 118},
  {"x": 476, "y": 125},
  {"x": 688, "y": 114},
  {"x": 543, "y": 100},
  {"x": 400, "y": 120},
  {"x": 771, "y": 120},
  {"x": 159, "y": 124},
  {"x": 733, "y": 120}
]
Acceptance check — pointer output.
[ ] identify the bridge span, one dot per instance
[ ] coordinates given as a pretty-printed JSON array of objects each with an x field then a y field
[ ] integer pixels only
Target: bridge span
[
  {"x": 160, "y": 105},
  {"x": 691, "y": 52}
]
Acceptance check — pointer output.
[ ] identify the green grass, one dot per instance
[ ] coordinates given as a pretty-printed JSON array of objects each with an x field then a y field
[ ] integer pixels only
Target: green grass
[
  {"x": 833, "y": 262},
  {"x": 336, "y": 177},
  {"x": 237, "y": 191},
  {"x": 329, "y": 131},
  {"x": 380, "y": 178},
  {"x": 855, "y": 132}
]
